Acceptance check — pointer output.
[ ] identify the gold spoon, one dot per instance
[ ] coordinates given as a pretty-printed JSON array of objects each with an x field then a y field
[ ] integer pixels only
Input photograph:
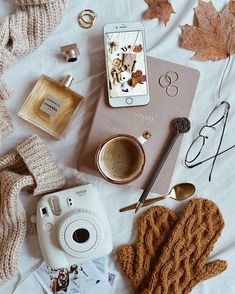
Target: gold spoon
[{"x": 178, "y": 192}]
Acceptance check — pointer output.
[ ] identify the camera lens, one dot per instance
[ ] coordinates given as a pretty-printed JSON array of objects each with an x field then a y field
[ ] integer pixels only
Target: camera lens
[{"x": 81, "y": 235}]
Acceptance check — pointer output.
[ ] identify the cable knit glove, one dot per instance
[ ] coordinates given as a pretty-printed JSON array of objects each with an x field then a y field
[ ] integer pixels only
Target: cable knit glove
[
  {"x": 154, "y": 228},
  {"x": 182, "y": 263}
]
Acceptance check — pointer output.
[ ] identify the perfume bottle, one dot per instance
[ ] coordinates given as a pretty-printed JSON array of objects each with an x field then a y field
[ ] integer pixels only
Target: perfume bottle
[{"x": 52, "y": 105}]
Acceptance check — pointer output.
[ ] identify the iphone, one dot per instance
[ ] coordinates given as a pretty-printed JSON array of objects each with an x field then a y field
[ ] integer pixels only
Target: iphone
[{"x": 126, "y": 64}]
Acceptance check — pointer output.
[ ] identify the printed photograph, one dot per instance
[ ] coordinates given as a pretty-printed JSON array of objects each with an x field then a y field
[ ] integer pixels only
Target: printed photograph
[{"x": 85, "y": 278}]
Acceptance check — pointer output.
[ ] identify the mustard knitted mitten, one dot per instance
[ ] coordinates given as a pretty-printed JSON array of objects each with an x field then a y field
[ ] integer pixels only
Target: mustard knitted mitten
[
  {"x": 31, "y": 167},
  {"x": 182, "y": 263},
  {"x": 153, "y": 229}
]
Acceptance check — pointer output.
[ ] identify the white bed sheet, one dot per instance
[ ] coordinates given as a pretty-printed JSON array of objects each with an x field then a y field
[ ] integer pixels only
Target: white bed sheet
[{"x": 162, "y": 42}]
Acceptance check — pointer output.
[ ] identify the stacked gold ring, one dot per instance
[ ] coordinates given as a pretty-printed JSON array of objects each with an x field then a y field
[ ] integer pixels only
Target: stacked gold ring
[{"x": 91, "y": 16}]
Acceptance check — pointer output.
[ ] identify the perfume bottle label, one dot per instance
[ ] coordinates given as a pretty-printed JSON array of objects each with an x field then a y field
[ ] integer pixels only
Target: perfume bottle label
[{"x": 51, "y": 105}]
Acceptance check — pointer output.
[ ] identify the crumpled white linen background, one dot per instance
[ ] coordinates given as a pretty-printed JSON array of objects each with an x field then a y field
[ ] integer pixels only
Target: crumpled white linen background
[{"x": 88, "y": 71}]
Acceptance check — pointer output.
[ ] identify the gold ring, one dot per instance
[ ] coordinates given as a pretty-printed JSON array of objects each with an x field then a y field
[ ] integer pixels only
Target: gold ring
[{"x": 83, "y": 22}]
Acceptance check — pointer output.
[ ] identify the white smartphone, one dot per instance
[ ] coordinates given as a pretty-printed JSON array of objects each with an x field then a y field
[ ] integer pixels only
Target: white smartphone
[{"x": 126, "y": 64}]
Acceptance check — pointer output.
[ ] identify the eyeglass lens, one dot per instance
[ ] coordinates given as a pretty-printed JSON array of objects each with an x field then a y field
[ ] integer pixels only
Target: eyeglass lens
[{"x": 217, "y": 114}]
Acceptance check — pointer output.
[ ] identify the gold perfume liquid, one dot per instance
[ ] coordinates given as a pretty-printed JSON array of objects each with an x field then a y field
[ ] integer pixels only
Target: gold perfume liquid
[{"x": 51, "y": 105}]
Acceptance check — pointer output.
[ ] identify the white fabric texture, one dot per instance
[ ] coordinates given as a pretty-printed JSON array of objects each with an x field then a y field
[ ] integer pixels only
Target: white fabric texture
[{"x": 88, "y": 71}]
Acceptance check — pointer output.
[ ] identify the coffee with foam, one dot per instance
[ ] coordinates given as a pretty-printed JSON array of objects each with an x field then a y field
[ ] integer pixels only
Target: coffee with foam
[{"x": 121, "y": 159}]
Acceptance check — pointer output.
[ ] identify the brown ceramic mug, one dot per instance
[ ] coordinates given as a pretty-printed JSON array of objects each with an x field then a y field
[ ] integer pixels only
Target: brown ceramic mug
[{"x": 121, "y": 158}]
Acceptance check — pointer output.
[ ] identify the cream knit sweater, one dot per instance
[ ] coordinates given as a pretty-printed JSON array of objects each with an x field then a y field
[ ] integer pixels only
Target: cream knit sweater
[
  {"x": 22, "y": 33},
  {"x": 30, "y": 167}
]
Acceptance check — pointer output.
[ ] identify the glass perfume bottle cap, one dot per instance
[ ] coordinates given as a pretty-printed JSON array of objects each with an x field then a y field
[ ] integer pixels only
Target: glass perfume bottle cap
[{"x": 67, "y": 81}]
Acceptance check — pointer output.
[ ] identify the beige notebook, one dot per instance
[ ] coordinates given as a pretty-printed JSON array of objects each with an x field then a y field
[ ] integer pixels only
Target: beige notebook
[{"x": 169, "y": 100}]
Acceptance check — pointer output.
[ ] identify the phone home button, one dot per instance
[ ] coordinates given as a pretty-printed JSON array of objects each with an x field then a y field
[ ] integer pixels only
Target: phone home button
[{"x": 129, "y": 100}]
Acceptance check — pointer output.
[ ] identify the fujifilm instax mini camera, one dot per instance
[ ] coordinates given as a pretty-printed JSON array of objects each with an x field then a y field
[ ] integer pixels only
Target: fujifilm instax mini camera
[{"x": 73, "y": 227}]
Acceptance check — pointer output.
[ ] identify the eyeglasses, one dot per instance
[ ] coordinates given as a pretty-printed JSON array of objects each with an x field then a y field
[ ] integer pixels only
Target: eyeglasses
[{"x": 220, "y": 113}]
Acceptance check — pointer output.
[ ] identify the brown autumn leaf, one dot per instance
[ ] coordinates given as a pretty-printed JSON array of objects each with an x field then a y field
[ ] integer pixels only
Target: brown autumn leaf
[
  {"x": 138, "y": 49},
  {"x": 160, "y": 9},
  {"x": 137, "y": 77},
  {"x": 214, "y": 37}
]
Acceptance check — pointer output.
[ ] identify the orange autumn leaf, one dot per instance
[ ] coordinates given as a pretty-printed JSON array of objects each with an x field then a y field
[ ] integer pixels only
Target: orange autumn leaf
[
  {"x": 160, "y": 9},
  {"x": 214, "y": 37}
]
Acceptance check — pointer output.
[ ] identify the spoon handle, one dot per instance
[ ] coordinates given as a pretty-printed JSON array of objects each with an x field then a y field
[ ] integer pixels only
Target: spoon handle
[
  {"x": 145, "y": 203},
  {"x": 159, "y": 166},
  {"x": 181, "y": 125},
  {"x": 153, "y": 200}
]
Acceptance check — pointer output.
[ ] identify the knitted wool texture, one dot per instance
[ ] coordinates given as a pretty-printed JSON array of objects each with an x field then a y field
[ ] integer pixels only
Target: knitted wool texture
[
  {"x": 22, "y": 33},
  {"x": 153, "y": 229},
  {"x": 181, "y": 264},
  {"x": 31, "y": 167},
  {"x": 25, "y": 31},
  {"x": 32, "y": 158},
  {"x": 6, "y": 126},
  {"x": 12, "y": 222}
]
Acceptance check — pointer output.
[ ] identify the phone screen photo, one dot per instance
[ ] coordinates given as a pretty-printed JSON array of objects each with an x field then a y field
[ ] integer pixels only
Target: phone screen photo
[{"x": 126, "y": 64}]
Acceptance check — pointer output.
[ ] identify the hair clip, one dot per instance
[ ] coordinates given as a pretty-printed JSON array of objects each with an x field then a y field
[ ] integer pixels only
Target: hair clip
[{"x": 86, "y": 18}]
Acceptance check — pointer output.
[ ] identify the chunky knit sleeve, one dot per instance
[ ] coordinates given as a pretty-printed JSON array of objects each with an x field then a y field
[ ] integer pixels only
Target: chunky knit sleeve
[
  {"x": 22, "y": 33},
  {"x": 33, "y": 2},
  {"x": 6, "y": 126},
  {"x": 25, "y": 31}
]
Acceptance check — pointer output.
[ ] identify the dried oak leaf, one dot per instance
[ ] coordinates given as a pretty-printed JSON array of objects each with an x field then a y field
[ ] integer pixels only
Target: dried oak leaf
[
  {"x": 214, "y": 37},
  {"x": 138, "y": 48},
  {"x": 137, "y": 77},
  {"x": 160, "y": 9}
]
